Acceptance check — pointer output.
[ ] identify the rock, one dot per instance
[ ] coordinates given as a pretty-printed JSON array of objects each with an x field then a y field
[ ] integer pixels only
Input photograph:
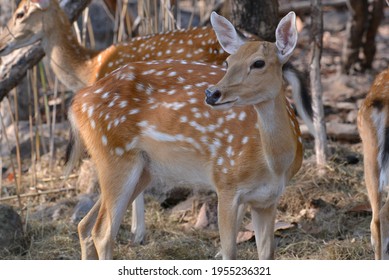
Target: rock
[
  {"x": 175, "y": 196},
  {"x": 337, "y": 131},
  {"x": 87, "y": 181},
  {"x": 11, "y": 230},
  {"x": 343, "y": 131},
  {"x": 348, "y": 106},
  {"x": 352, "y": 116},
  {"x": 52, "y": 212},
  {"x": 85, "y": 203}
]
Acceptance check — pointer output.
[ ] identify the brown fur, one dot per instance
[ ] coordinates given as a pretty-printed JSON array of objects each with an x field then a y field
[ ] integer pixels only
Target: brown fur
[
  {"x": 376, "y": 102},
  {"x": 158, "y": 122}
]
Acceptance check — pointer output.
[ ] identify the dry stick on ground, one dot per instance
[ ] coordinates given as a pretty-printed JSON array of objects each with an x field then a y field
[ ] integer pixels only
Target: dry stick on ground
[
  {"x": 14, "y": 68},
  {"x": 317, "y": 91},
  {"x": 37, "y": 194}
]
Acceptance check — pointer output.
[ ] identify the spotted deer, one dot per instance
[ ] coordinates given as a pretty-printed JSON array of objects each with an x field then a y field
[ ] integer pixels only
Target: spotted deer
[
  {"x": 77, "y": 67},
  {"x": 149, "y": 119},
  {"x": 373, "y": 126}
]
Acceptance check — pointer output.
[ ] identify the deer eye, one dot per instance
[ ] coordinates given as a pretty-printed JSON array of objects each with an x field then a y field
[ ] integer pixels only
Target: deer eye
[
  {"x": 20, "y": 15},
  {"x": 258, "y": 64}
]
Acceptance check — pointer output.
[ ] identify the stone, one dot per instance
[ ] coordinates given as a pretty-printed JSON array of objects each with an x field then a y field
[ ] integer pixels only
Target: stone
[{"x": 11, "y": 230}]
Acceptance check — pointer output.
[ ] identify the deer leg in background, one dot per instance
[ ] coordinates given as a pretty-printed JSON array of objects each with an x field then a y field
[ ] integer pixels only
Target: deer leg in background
[
  {"x": 369, "y": 47},
  {"x": 355, "y": 28}
]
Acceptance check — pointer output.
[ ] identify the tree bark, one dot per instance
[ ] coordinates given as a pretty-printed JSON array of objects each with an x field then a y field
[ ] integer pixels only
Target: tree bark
[
  {"x": 316, "y": 86},
  {"x": 257, "y": 17},
  {"x": 14, "y": 66},
  {"x": 362, "y": 28}
]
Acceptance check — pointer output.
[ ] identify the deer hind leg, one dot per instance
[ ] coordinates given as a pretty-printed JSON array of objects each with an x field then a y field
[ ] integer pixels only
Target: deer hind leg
[
  {"x": 241, "y": 212},
  {"x": 372, "y": 185},
  {"x": 88, "y": 249},
  {"x": 384, "y": 218},
  {"x": 138, "y": 227},
  {"x": 263, "y": 222},
  {"x": 371, "y": 171},
  {"x": 120, "y": 184}
]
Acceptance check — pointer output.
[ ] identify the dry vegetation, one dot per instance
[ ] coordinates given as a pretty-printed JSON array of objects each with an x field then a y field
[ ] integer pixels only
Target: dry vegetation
[
  {"x": 323, "y": 218},
  {"x": 320, "y": 217}
]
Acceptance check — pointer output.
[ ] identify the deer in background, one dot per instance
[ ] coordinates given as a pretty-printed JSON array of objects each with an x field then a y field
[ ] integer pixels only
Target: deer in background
[
  {"x": 77, "y": 67},
  {"x": 373, "y": 126},
  {"x": 149, "y": 119}
]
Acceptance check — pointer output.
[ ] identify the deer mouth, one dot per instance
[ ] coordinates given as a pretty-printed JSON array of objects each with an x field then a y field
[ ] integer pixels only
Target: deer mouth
[{"x": 223, "y": 105}]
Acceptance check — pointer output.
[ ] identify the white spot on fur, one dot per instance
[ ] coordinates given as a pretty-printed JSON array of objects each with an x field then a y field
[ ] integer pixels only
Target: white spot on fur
[
  {"x": 90, "y": 111},
  {"x": 174, "y": 105},
  {"x": 229, "y": 151},
  {"x": 104, "y": 140},
  {"x": 131, "y": 145},
  {"x": 119, "y": 151},
  {"x": 231, "y": 116},
  {"x": 245, "y": 140},
  {"x": 133, "y": 111},
  {"x": 242, "y": 116},
  {"x": 148, "y": 72},
  {"x": 123, "y": 104},
  {"x": 93, "y": 124}
]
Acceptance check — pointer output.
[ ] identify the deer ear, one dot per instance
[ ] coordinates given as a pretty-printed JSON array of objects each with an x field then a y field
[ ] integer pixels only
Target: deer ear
[
  {"x": 41, "y": 4},
  {"x": 286, "y": 37},
  {"x": 226, "y": 34}
]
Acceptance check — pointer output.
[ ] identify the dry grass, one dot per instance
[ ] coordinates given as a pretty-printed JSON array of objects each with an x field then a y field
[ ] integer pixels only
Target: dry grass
[{"x": 323, "y": 210}]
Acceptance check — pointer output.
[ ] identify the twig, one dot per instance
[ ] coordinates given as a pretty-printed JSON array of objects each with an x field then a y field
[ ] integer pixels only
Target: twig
[
  {"x": 37, "y": 194},
  {"x": 31, "y": 134},
  {"x": 18, "y": 156},
  {"x": 45, "y": 180},
  {"x": 52, "y": 128}
]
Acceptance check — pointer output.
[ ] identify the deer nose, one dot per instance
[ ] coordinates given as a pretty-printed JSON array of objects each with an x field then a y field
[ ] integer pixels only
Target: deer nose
[{"x": 213, "y": 95}]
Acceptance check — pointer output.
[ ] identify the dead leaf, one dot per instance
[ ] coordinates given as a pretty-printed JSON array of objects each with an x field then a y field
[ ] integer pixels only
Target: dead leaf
[
  {"x": 361, "y": 208},
  {"x": 244, "y": 236},
  {"x": 11, "y": 177},
  {"x": 202, "y": 219},
  {"x": 281, "y": 225}
]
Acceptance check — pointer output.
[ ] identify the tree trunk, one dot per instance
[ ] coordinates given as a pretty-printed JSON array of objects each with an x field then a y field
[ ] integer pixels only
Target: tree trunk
[
  {"x": 257, "y": 17},
  {"x": 316, "y": 86},
  {"x": 13, "y": 67},
  {"x": 362, "y": 28}
]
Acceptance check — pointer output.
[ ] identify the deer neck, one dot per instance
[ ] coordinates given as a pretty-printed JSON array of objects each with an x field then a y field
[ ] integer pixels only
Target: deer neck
[
  {"x": 276, "y": 133},
  {"x": 72, "y": 63}
]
